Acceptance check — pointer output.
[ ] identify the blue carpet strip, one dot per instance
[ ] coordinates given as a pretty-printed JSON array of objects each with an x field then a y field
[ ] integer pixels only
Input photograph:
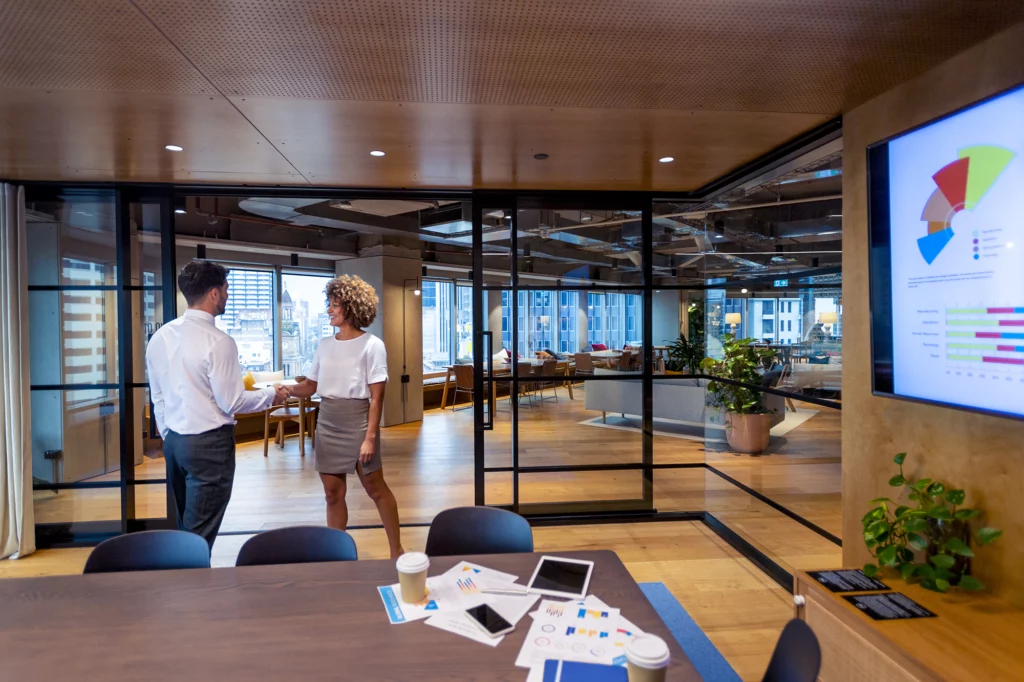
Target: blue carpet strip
[{"x": 698, "y": 648}]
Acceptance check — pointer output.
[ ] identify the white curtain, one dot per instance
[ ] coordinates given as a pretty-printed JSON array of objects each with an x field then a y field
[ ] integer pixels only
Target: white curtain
[{"x": 17, "y": 521}]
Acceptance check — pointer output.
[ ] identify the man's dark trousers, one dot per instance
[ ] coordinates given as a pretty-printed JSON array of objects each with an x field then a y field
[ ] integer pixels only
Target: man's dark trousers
[{"x": 201, "y": 471}]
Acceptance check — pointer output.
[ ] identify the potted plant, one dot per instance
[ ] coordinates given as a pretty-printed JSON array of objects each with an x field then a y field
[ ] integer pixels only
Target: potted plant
[
  {"x": 748, "y": 422},
  {"x": 685, "y": 355},
  {"x": 936, "y": 525}
]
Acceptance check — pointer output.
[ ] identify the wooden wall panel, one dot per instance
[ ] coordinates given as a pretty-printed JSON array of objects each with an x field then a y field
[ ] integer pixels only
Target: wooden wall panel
[{"x": 983, "y": 454}]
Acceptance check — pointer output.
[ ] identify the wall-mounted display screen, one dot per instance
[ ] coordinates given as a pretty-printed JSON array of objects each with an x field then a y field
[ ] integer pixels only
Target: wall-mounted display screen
[{"x": 947, "y": 259}]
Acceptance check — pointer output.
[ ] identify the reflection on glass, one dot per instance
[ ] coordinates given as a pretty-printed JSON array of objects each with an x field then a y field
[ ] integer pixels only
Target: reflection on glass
[
  {"x": 249, "y": 317},
  {"x": 75, "y": 435},
  {"x": 304, "y": 321},
  {"x": 66, "y": 506},
  {"x": 464, "y": 323},
  {"x": 71, "y": 238},
  {"x": 73, "y": 335}
]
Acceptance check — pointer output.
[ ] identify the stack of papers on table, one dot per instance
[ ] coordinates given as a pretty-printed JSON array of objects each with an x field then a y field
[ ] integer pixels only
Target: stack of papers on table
[
  {"x": 451, "y": 593},
  {"x": 586, "y": 631}
]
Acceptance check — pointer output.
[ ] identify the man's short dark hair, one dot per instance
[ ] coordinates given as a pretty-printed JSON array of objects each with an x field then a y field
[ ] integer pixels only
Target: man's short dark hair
[{"x": 198, "y": 277}]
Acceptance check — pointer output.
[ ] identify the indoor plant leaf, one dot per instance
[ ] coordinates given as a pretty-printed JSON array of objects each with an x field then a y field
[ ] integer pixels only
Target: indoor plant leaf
[
  {"x": 969, "y": 583},
  {"x": 942, "y": 585},
  {"x": 942, "y": 561},
  {"x": 916, "y": 525},
  {"x": 936, "y": 488},
  {"x": 899, "y": 458},
  {"x": 906, "y": 570},
  {"x": 964, "y": 514},
  {"x": 902, "y": 511},
  {"x": 955, "y": 496},
  {"x": 870, "y": 570},
  {"x": 988, "y": 535},
  {"x": 917, "y": 541},
  {"x": 941, "y": 513},
  {"x": 887, "y": 557},
  {"x": 897, "y": 480},
  {"x": 878, "y": 500},
  {"x": 924, "y": 571},
  {"x": 958, "y": 546},
  {"x": 922, "y": 485}
]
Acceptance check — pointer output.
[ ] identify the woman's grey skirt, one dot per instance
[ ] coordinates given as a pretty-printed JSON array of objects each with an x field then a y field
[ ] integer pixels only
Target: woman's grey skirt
[{"x": 340, "y": 430}]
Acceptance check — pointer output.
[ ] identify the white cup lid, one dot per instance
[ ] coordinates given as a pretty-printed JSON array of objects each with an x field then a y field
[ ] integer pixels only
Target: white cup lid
[
  {"x": 647, "y": 651},
  {"x": 413, "y": 562}
]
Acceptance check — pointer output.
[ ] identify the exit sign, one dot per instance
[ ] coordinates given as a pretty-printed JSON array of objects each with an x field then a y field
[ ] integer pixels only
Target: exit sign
[{"x": 782, "y": 283}]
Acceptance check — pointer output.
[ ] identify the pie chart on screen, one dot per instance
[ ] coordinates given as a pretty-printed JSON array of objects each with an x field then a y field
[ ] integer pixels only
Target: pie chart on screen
[{"x": 960, "y": 186}]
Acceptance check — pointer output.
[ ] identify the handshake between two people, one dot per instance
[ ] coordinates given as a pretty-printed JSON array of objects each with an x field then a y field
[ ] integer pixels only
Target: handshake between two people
[{"x": 281, "y": 394}]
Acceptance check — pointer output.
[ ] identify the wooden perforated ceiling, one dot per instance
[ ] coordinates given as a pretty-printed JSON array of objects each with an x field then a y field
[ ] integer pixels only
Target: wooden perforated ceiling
[{"x": 458, "y": 92}]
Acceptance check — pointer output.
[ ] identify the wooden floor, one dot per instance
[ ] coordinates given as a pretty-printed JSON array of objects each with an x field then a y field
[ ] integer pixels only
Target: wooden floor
[{"x": 739, "y": 607}]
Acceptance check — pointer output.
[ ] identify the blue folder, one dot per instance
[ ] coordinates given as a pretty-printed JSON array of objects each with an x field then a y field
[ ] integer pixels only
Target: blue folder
[{"x": 567, "y": 671}]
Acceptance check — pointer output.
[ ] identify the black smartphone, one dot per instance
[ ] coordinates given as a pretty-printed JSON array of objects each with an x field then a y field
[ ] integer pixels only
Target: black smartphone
[{"x": 489, "y": 620}]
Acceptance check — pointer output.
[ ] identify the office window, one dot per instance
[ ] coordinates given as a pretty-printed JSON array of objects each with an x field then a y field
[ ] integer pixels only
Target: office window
[
  {"x": 438, "y": 350},
  {"x": 568, "y": 315},
  {"x": 304, "y": 319},
  {"x": 249, "y": 318},
  {"x": 464, "y": 322},
  {"x": 614, "y": 319}
]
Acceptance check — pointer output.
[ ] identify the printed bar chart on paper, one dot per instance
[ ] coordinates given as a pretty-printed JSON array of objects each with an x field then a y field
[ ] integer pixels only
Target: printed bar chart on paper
[{"x": 992, "y": 337}]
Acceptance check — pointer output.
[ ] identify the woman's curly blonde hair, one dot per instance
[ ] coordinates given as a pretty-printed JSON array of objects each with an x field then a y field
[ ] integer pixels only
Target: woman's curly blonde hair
[{"x": 358, "y": 299}]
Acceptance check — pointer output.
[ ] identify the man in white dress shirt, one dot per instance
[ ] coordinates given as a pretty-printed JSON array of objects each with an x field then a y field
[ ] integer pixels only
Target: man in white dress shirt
[{"x": 196, "y": 385}]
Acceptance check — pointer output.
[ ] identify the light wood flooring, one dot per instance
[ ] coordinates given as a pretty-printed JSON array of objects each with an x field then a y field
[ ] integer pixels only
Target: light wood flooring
[{"x": 739, "y": 607}]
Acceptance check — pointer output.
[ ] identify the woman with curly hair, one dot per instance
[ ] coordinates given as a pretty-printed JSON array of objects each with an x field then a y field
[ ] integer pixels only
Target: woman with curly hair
[{"x": 350, "y": 372}]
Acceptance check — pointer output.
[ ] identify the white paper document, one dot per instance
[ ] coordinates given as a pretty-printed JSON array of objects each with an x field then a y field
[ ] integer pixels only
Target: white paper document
[{"x": 570, "y": 631}]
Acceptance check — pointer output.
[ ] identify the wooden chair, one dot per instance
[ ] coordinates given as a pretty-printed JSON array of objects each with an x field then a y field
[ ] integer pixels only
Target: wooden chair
[
  {"x": 548, "y": 369},
  {"x": 625, "y": 360},
  {"x": 297, "y": 410},
  {"x": 463, "y": 384},
  {"x": 585, "y": 365}
]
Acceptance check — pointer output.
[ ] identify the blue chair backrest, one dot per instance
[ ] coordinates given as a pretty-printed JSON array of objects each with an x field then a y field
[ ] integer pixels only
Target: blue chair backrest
[
  {"x": 478, "y": 530},
  {"x": 297, "y": 545},
  {"x": 151, "y": 550},
  {"x": 797, "y": 656}
]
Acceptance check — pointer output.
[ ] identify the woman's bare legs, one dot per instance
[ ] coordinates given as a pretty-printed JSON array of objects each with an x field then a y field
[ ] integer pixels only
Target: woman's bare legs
[
  {"x": 387, "y": 507},
  {"x": 334, "y": 492}
]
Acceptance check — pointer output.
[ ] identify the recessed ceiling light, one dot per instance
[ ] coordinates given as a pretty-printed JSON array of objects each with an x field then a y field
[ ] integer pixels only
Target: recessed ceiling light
[
  {"x": 376, "y": 152},
  {"x": 743, "y": 291},
  {"x": 666, "y": 159},
  {"x": 173, "y": 148},
  {"x": 540, "y": 157}
]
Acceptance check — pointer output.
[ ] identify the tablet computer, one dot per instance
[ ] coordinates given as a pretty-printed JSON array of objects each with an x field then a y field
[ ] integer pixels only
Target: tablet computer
[{"x": 559, "y": 577}]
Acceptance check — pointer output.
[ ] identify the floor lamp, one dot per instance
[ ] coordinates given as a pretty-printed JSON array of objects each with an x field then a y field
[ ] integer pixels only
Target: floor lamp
[{"x": 733, "y": 319}]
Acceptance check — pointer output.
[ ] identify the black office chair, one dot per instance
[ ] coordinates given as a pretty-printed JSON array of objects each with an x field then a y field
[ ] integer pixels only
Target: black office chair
[
  {"x": 797, "y": 656},
  {"x": 297, "y": 545},
  {"x": 478, "y": 530},
  {"x": 151, "y": 550}
]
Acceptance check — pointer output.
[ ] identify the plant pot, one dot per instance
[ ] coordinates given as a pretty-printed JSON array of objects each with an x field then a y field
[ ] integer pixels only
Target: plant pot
[
  {"x": 938, "y": 532},
  {"x": 748, "y": 433}
]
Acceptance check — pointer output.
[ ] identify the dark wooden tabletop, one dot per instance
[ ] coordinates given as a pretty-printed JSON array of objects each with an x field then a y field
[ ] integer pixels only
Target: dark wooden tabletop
[{"x": 299, "y": 623}]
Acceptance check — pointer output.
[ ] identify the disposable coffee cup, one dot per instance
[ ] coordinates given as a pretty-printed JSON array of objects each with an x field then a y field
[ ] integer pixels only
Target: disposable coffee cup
[
  {"x": 647, "y": 659},
  {"x": 412, "y": 576}
]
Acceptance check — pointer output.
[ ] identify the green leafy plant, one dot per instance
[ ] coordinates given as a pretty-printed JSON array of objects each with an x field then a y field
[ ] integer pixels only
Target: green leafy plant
[
  {"x": 686, "y": 354},
  {"x": 741, "y": 361},
  {"x": 935, "y": 525}
]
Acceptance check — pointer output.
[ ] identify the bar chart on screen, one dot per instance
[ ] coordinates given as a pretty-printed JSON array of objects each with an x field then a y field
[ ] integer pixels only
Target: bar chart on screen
[{"x": 986, "y": 342}]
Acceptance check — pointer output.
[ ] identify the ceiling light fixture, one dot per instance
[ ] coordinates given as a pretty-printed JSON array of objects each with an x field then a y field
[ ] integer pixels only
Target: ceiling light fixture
[
  {"x": 173, "y": 148},
  {"x": 376, "y": 152},
  {"x": 666, "y": 159},
  {"x": 743, "y": 291},
  {"x": 179, "y": 210}
]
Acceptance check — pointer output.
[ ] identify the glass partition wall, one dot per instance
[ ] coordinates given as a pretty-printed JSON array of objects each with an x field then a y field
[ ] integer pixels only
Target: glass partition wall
[{"x": 570, "y": 313}]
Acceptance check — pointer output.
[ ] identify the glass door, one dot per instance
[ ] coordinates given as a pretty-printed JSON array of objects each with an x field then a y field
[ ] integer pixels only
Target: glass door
[{"x": 563, "y": 309}]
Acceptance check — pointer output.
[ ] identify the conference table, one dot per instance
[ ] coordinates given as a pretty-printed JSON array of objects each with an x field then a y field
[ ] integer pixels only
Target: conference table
[{"x": 298, "y": 622}]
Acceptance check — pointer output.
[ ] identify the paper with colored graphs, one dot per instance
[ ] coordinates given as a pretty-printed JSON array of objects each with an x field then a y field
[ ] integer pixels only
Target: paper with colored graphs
[
  {"x": 470, "y": 579},
  {"x": 571, "y": 631},
  {"x": 542, "y": 643}
]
